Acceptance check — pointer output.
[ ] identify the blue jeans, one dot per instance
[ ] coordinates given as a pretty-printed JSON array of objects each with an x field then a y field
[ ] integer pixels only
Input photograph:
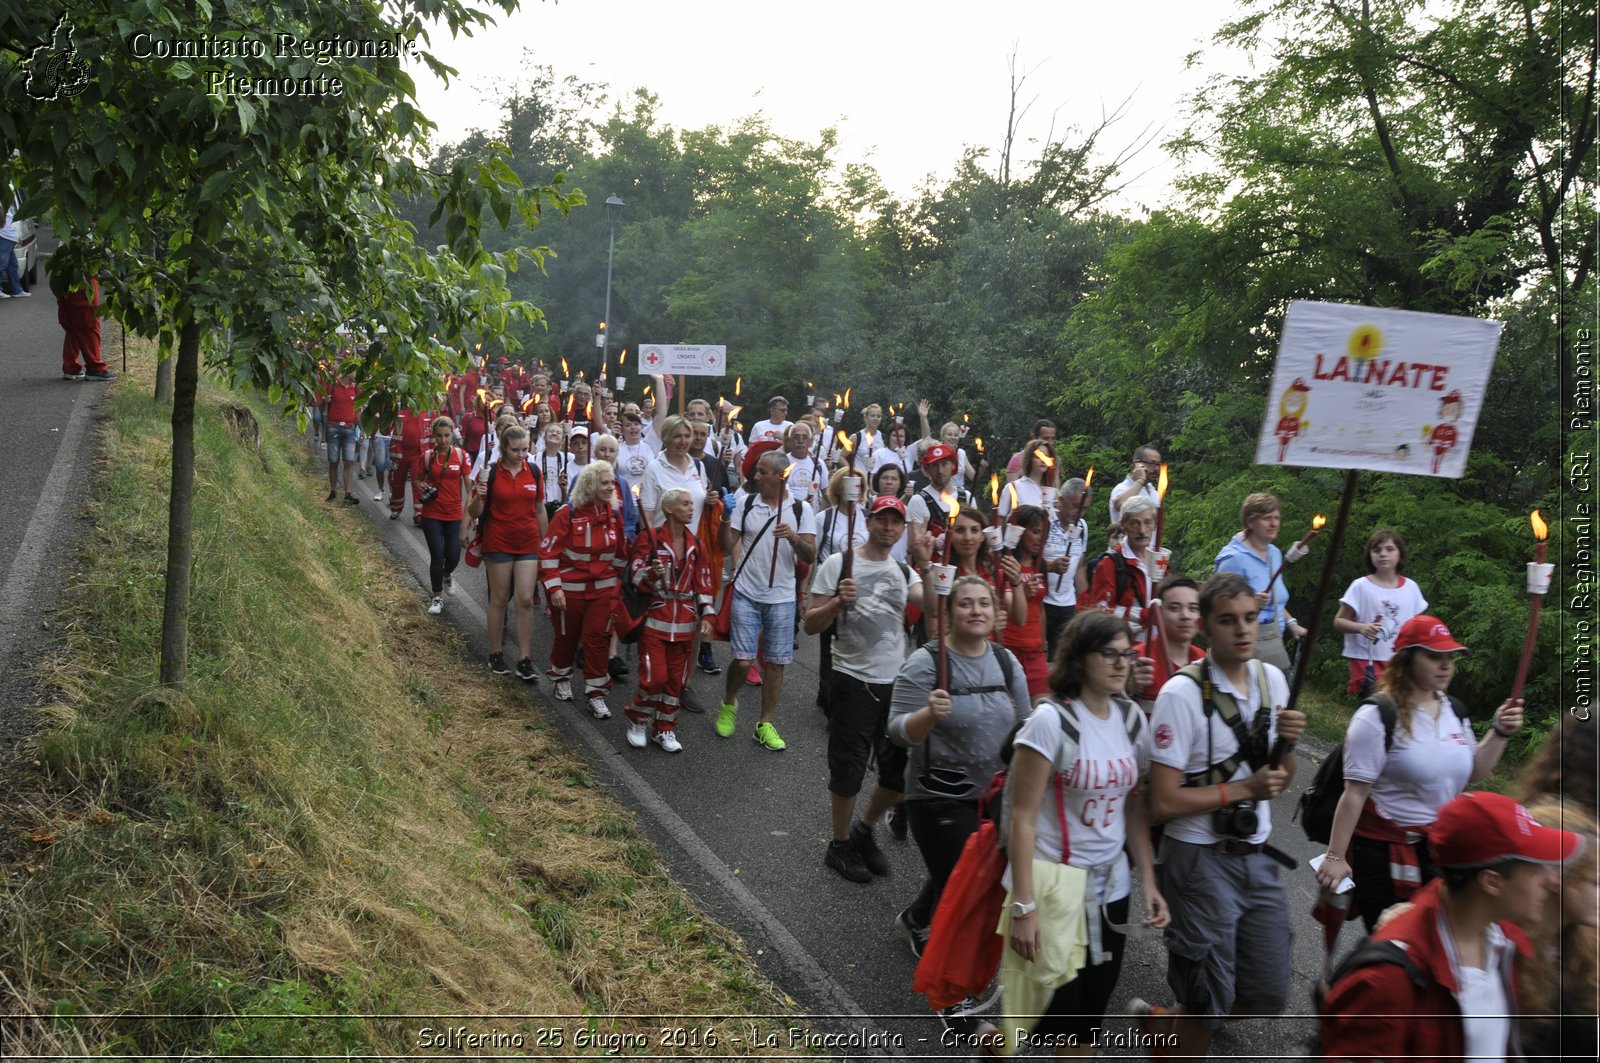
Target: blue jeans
[
  {"x": 749, "y": 620},
  {"x": 444, "y": 549},
  {"x": 8, "y": 266},
  {"x": 378, "y": 447}
]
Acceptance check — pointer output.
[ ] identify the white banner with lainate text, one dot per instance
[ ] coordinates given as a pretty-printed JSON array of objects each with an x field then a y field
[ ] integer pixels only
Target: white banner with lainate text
[{"x": 1358, "y": 387}]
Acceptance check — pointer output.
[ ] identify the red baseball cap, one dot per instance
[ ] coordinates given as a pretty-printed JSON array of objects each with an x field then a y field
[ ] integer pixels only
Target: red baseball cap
[
  {"x": 1428, "y": 632},
  {"x": 1482, "y": 829},
  {"x": 935, "y": 454},
  {"x": 885, "y": 504}
]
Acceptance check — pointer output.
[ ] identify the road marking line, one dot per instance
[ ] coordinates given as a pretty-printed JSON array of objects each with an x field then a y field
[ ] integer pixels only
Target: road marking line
[{"x": 16, "y": 598}]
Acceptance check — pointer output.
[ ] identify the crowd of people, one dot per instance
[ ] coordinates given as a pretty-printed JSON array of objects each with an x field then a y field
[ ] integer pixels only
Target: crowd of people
[{"x": 971, "y": 629}]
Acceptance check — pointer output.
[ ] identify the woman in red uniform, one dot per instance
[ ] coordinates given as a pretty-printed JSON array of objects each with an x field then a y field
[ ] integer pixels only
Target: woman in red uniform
[
  {"x": 1026, "y": 639},
  {"x": 969, "y": 551},
  {"x": 442, "y": 484},
  {"x": 581, "y": 560},
  {"x": 671, "y": 567},
  {"x": 508, "y": 502}
]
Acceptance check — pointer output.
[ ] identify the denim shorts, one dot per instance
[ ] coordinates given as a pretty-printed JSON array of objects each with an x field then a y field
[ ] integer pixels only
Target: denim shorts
[
  {"x": 341, "y": 444},
  {"x": 751, "y": 619},
  {"x": 500, "y": 557}
]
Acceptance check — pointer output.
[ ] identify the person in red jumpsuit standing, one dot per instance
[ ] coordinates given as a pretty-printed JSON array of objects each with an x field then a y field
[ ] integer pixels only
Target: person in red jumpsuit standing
[
  {"x": 670, "y": 565},
  {"x": 1443, "y": 438},
  {"x": 80, "y": 350},
  {"x": 581, "y": 562},
  {"x": 405, "y": 457}
]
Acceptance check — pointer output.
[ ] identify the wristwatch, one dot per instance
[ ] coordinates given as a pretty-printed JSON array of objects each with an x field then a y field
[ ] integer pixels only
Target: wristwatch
[{"x": 1021, "y": 910}]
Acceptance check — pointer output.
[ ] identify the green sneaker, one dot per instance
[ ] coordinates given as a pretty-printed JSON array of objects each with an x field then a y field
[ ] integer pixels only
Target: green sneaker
[
  {"x": 767, "y": 735},
  {"x": 725, "y": 717}
]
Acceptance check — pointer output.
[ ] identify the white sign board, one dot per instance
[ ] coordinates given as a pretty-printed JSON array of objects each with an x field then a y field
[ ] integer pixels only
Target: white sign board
[
  {"x": 684, "y": 359},
  {"x": 1384, "y": 390}
]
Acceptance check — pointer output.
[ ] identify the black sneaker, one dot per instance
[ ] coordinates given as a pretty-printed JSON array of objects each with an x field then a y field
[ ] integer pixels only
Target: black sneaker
[
  {"x": 104, "y": 374},
  {"x": 333, "y": 496},
  {"x": 861, "y": 838},
  {"x": 843, "y": 858},
  {"x": 525, "y": 671},
  {"x": 899, "y": 822},
  {"x": 497, "y": 664},
  {"x": 915, "y": 937},
  {"x": 708, "y": 663},
  {"x": 618, "y": 668},
  {"x": 351, "y": 500}
]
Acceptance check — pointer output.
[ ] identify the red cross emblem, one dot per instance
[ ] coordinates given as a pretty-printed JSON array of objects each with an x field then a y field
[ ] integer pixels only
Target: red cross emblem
[{"x": 653, "y": 358}]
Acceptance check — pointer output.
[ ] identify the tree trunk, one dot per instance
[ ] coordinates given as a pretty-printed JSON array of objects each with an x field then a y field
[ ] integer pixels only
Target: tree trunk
[
  {"x": 164, "y": 379},
  {"x": 180, "y": 509}
]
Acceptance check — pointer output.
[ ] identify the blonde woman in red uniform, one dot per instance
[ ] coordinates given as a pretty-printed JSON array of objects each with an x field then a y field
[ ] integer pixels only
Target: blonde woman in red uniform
[
  {"x": 581, "y": 559},
  {"x": 508, "y": 502},
  {"x": 669, "y": 565}
]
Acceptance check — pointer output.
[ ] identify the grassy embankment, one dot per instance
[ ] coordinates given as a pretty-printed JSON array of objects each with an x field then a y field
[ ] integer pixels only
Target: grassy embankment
[{"x": 343, "y": 816}]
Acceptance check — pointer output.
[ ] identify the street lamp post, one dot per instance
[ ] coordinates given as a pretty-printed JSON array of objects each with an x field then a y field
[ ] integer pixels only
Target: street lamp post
[{"x": 614, "y": 207}]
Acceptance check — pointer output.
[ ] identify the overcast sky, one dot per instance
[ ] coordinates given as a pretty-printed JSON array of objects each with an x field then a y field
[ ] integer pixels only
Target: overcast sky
[{"x": 907, "y": 84}]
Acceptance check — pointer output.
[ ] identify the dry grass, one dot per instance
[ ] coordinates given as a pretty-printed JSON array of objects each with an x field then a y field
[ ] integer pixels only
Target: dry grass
[{"x": 343, "y": 816}]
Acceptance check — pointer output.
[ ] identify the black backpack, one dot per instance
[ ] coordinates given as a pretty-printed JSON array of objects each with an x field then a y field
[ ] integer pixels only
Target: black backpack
[
  {"x": 1119, "y": 565},
  {"x": 1321, "y": 799}
]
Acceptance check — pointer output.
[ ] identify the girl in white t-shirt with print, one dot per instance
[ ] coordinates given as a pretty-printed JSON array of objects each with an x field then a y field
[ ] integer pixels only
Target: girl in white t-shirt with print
[
  {"x": 1375, "y": 608},
  {"x": 1097, "y": 800}
]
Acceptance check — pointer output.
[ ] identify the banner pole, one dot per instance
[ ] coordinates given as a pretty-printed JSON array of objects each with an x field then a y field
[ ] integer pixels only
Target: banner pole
[
  {"x": 680, "y": 396},
  {"x": 1303, "y": 662}
]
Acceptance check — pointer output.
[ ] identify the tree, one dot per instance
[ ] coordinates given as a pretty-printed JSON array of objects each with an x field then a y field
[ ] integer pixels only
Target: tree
[{"x": 271, "y": 173}]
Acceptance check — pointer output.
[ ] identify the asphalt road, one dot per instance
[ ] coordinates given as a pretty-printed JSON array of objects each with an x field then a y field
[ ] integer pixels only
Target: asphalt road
[
  {"x": 744, "y": 829},
  {"x": 44, "y": 485}
]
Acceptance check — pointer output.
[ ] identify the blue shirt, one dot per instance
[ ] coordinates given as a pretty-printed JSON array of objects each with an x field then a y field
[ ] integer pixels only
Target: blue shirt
[{"x": 1237, "y": 557}]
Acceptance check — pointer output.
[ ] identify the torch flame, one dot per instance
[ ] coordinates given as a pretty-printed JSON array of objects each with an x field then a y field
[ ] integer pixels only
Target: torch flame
[
  {"x": 844, "y": 441},
  {"x": 847, "y": 392},
  {"x": 1088, "y": 481},
  {"x": 1011, "y": 489},
  {"x": 588, "y": 410},
  {"x": 565, "y": 375},
  {"x": 994, "y": 490},
  {"x": 1044, "y": 459},
  {"x": 955, "y": 508},
  {"x": 1161, "y": 483},
  {"x": 966, "y": 418},
  {"x": 738, "y": 386},
  {"x": 1541, "y": 531},
  {"x": 622, "y": 359},
  {"x": 1318, "y": 521},
  {"x": 979, "y": 444},
  {"x": 483, "y": 397},
  {"x": 527, "y": 403},
  {"x": 477, "y": 347}
]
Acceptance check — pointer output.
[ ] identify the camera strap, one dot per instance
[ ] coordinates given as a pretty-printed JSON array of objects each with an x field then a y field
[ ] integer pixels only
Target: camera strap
[{"x": 1225, "y": 705}]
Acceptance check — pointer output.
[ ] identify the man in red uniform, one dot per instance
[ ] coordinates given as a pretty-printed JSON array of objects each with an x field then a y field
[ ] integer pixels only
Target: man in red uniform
[
  {"x": 407, "y": 439},
  {"x": 1443, "y": 437},
  {"x": 1439, "y": 981},
  {"x": 340, "y": 403},
  {"x": 80, "y": 350}
]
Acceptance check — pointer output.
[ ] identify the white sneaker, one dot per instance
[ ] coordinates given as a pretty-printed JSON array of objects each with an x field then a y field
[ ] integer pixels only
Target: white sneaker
[
  {"x": 667, "y": 740},
  {"x": 563, "y": 690},
  {"x": 598, "y": 708},
  {"x": 638, "y": 737},
  {"x": 22, "y": 295},
  {"x": 449, "y": 584},
  {"x": 378, "y": 497},
  {"x": 436, "y": 606},
  {"x": 3, "y": 295}
]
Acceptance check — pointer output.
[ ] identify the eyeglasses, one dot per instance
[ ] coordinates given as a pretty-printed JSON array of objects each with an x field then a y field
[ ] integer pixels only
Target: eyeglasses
[{"x": 1115, "y": 656}]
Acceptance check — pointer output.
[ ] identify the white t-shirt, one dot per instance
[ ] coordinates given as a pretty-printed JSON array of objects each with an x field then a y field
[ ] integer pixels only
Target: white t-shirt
[
  {"x": 1421, "y": 773},
  {"x": 871, "y": 644},
  {"x": 833, "y": 528},
  {"x": 1071, "y": 542},
  {"x": 551, "y": 466},
  {"x": 1028, "y": 493},
  {"x": 768, "y": 429},
  {"x": 1178, "y": 740},
  {"x": 1389, "y": 606},
  {"x": 806, "y": 478},
  {"x": 753, "y": 580},
  {"x": 661, "y": 476},
  {"x": 1149, "y": 491},
  {"x": 1481, "y": 996},
  {"x": 888, "y": 456},
  {"x": 632, "y": 460},
  {"x": 867, "y": 445},
  {"x": 1096, "y": 786}
]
